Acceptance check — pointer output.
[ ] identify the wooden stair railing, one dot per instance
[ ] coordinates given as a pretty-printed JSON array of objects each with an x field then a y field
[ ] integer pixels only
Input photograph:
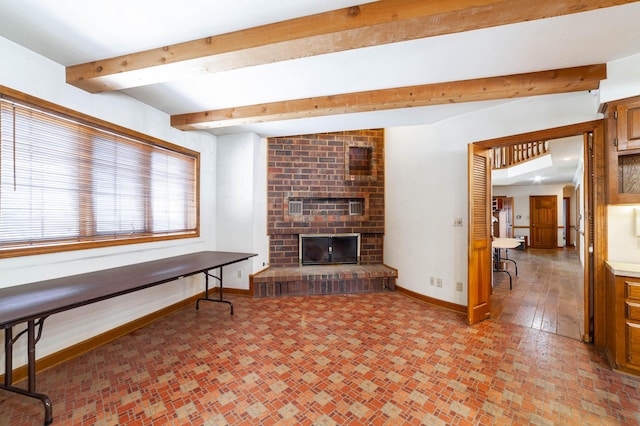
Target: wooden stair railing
[{"x": 507, "y": 156}]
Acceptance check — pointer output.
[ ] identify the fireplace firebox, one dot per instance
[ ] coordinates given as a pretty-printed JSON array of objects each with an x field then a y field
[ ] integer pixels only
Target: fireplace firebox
[{"x": 329, "y": 249}]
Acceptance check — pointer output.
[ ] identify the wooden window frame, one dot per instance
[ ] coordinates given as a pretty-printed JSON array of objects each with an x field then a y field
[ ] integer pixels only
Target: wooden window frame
[{"x": 146, "y": 143}]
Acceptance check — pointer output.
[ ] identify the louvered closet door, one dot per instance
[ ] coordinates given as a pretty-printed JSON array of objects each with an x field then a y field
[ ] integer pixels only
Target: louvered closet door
[{"x": 479, "y": 275}]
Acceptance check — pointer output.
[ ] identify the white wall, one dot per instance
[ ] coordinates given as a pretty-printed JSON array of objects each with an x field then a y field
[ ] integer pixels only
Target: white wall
[
  {"x": 30, "y": 73},
  {"x": 426, "y": 186},
  {"x": 520, "y": 194},
  {"x": 624, "y": 246},
  {"x": 241, "y": 212}
]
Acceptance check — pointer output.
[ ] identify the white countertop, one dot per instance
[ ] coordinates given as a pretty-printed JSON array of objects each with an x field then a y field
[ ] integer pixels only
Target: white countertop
[{"x": 625, "y": 269}]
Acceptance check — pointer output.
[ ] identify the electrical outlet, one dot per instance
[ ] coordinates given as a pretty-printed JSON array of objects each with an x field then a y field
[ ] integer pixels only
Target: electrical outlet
[
  {"x": 457, "y": 221},
  {"x": 439, "y": 282},
  {"x": 239, "y": 273},
  {"x": 432, "y": 281},
  {"x": 459, "y": 286}
]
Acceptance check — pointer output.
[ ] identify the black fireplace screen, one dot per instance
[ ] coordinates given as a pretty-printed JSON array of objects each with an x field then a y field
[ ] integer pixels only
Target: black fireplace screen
[{"x": 329, "y": 249}]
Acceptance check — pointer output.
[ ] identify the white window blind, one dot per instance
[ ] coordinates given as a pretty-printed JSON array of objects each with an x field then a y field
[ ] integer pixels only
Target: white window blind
[{"x": 65, "y": 182}]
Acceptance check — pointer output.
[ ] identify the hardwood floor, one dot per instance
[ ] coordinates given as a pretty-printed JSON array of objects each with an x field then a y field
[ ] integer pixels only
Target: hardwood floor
[{"x": 547, "y": 295}]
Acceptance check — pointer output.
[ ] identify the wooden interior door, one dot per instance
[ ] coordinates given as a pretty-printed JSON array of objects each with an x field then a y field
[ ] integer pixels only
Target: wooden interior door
[
  {"x": 507, "y": 207},
  {"x": 479, "y": 271},
  {"x": 543, "y": 211}
]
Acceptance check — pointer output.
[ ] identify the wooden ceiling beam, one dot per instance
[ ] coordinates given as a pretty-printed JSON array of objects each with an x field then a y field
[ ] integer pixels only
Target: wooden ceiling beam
[
  {"x": 482, "y": 89},
  {"x": 371, "y": 24}
]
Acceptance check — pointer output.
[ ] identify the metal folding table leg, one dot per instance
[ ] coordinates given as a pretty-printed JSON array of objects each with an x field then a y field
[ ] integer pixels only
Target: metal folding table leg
[
  {"x": 496, "y": 266},
  {"x": 32, "y": 339},
  {"x": 206, "y": 291}
]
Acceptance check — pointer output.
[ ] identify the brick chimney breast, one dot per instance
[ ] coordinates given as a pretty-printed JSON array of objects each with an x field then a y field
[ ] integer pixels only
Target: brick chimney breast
[{"x": 328, "y": 183}]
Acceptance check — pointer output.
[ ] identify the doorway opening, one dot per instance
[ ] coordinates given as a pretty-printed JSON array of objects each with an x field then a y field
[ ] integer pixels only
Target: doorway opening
[{"x": 591, "y": 255}]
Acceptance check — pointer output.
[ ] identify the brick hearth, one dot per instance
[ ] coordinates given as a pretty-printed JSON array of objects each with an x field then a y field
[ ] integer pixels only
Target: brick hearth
[{"x": 332, "y": 279}]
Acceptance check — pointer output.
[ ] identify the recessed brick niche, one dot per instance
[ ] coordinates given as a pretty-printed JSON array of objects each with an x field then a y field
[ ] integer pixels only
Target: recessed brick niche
[{"x": 329, "y": 183}]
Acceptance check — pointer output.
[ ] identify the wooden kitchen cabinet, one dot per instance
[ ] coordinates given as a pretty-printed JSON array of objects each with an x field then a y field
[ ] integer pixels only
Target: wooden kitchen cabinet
[
  {"x": 628, "y": 125},
  {"x": 623, "y": 320},
  {"x": 622, "y": 126}
]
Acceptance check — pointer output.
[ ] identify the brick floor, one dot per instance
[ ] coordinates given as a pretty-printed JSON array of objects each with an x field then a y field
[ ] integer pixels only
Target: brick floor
[{"x": 362, "y": 359}]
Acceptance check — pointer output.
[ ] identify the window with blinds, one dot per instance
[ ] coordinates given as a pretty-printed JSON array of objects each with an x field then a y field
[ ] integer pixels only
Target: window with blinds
[{"x": 68, "y": 184}]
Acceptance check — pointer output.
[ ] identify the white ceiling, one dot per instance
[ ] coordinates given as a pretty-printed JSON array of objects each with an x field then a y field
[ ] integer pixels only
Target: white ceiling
[
  {"x": 70, "y": 32},
  {"x": 557, "y": 167}
]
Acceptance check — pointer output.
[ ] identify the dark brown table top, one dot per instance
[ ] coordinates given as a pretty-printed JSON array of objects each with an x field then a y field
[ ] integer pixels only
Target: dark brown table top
[{"x": 35, "y": 300}]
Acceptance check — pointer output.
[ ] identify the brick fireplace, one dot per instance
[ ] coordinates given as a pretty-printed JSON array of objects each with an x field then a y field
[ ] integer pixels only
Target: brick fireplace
[{"x": 326, "y": 184}]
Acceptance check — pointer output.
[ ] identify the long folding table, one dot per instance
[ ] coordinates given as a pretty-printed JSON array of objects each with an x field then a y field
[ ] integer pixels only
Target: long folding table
[{"x": 33, "y": 303}]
